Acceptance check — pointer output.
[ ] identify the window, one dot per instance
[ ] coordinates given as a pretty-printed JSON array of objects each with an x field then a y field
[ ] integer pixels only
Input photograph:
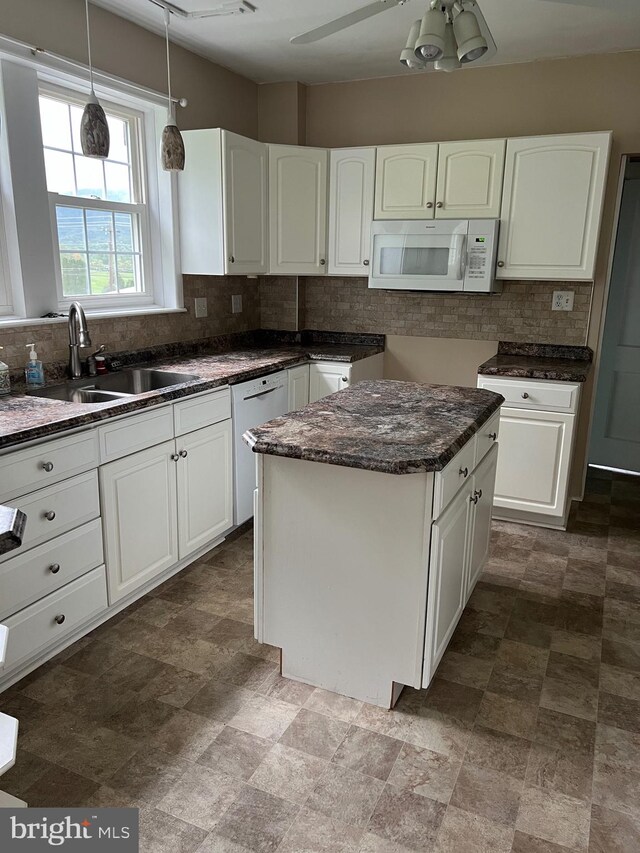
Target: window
[{"x": 98, "y": 209}]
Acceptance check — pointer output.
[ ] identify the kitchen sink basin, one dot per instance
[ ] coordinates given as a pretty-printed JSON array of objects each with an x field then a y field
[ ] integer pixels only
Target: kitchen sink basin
[{"x": 114, "y": 386}]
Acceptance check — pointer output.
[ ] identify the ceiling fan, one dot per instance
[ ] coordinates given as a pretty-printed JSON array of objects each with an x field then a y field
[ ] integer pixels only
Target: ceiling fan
[{"x": 450, "y": 35}]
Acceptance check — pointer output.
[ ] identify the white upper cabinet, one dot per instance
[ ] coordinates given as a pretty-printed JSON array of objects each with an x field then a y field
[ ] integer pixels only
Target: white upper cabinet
[
  {"x": 469, "y": 184},
  {"x": 406, "y": 181},
  {"x": 223, "y": 195},
  {"x": 552, "y": 206},
  {"x": 351, "y": 189},
  {"x": 298, "y": 210}
]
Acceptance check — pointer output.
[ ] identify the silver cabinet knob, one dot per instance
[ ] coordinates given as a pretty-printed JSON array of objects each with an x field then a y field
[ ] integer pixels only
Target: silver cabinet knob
[
  {"x": 439, "y": 204},
  {"x": 60, "y": 618},
  {"x": 525, "y": 396},
  {"x": 184, "y": 453},
  {"x": 429, "y": 204},
  {"x": 232, "y": 259},
  {"x": 47, "y": 466},
  {"x": 50, "y": 515},
  {"x": 500, "y": 264},
  {"x": 474, "y": 498},
  {"x": 345, "y": 378},
  {"x": 322, "y": 262},
  {"x": 478, "y": 493},
  {"x": 174, "y": 457},
  {"x": 366, "y": 263},
  {"x": 493, "y": 436},
  {"x": 464, "y": 472},
  {"x": 54, "y": 568}
]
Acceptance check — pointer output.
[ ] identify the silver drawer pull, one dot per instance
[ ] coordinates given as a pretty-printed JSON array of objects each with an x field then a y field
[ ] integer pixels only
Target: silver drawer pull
[
  {"x": 464, "y": 472},
  {"x": 50, "y": 515},
  {"x": 366, "y": 263},
  {"x": 174, "y": 457},
  {"x": 47, "y": 466},
  {"x": 525, "y": 396},
  {"x": 493, "y": 436},
  {"x": 60, "y": 618},
  {"x": 184, "y": 453},
  {"x": 54, "y": 568}
]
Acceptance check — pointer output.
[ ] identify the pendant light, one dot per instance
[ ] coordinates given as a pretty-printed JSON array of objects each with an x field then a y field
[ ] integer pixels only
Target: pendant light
[
  {"x": 94, "y": 129},
  {"x": 172, "y": 145}
]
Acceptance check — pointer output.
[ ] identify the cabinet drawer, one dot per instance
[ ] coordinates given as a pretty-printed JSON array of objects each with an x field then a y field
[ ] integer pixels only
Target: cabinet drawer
[
  {"x": 135, "y": 433},
  {"x": 23, "y": 471},
  {"x": 533, "y": 394},
  {"x": 451, "y": 478},
  {"x": 68, "y": 504},
  {"x": 197, "y": 412},
  {"x": 487, "y": 436},
  {"x": 51, "y": 619},
  {"x": 41, "y": 571}
]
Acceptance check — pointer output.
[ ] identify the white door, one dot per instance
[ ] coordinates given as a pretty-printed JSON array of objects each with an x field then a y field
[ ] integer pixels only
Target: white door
[
  {"x": 298, "y": 210},
  {"x": 470, "y": 179},
  {"x": 245, "y": 181},
  {"x": 552, "y": 206},
  {"x": 205, "y": 486},
  {"x": 325, "y": 379},
  {"x": 447, "y": 579},
  {"x": 406, "y": 181},
  {"x": 298, "y": 387},
  {"x": 484, "y": 480},
  {"x": 139, "y": 517},
  {"x": 351, "y": 187},
  {"x": 533, "y": 461},
  {"x": 615, "y": 435}
]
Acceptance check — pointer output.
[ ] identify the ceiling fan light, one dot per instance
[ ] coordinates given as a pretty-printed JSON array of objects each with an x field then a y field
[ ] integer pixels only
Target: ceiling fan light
[
  {"x": 430, "y": 43},
  {"x": 471, "y": 43},
  {"x": 408, "y": 56},
  {"x": 449, "y": 60}
]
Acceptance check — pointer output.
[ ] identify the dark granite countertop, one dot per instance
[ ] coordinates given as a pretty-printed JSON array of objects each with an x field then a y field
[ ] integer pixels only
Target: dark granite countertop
[
  {"x": 539, "y": 361},
  {"x": 382, "y": 425},
  {"x": 25, "y": 418},
  {"x": 12, "y": 524}
]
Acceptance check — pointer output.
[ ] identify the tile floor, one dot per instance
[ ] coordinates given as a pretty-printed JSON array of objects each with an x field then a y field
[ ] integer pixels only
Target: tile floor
[{"x": 527, "y": 741}]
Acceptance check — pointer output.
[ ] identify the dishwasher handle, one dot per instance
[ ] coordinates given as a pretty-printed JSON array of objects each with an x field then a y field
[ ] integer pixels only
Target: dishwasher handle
[{"x": 262, "y": 393}]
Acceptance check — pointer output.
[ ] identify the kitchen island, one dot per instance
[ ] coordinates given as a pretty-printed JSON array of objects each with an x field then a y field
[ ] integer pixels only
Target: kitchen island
[{"x": 372, "y": 521}]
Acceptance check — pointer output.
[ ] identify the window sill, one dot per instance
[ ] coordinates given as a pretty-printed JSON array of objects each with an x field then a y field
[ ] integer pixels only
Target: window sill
[{"x": 98, "y": 314}]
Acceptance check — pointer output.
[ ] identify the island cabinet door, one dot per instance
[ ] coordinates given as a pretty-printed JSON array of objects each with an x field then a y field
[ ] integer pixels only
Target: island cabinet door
[
  {"x": 325, "y": 379},
  {"x": 484, "y": 481},
  {"x": 447, "y": 578}
]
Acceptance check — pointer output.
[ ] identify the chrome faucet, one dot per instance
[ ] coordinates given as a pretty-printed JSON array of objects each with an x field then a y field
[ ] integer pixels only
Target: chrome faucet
[{"x": 78, "y": 337}]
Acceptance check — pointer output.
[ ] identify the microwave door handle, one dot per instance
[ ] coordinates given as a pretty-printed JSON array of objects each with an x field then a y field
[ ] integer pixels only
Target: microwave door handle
[{"x": 463, "y": 259}]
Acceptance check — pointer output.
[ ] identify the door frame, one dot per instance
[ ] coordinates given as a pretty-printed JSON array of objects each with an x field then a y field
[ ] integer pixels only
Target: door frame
[{"x": 624, "y": 162}]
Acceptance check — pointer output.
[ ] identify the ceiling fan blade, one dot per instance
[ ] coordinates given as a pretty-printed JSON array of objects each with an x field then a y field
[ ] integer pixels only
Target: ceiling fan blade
[
  {"x": 607, "y": 5},
  {"x": 346, "y": 21}
]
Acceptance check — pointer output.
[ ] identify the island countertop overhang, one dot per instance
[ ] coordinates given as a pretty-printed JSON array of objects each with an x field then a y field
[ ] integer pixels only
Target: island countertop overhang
[{"x": 387, "y": 426}]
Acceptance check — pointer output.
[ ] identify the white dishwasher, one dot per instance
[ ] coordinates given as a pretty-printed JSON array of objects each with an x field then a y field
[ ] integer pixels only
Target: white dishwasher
[{"x": 254, "y": 403}]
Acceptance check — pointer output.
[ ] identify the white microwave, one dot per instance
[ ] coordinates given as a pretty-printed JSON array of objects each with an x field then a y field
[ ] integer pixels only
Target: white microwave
[{"x": 447, "y": 255}]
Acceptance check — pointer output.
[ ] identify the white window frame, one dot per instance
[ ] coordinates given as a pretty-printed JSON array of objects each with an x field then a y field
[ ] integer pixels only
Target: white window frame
[
  {"x": 145, "y": 297},
  {"x": 7, "y": 308}
]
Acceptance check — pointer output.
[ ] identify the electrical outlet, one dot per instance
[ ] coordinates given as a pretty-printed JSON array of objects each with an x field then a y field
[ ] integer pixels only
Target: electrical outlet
[
  {"x": 236, "y": 304},
  {"x": 562, "y": 300},
  {"x": 201, "y": 306}
]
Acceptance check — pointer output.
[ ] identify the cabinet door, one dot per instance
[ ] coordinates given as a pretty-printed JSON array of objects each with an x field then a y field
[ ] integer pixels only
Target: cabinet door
[
  {"x": 405, "y": 181},
  {"x": 245, "y": 205},
  {"x": 298, "y": 210},
  {"x": 552, "y": 206},
  {"x": 205, "y": 478},
  {"x": 447, "y": 579},
  {"x": 351, "y": 186},
  {"x": 533, "y": 461},
  {"x": 470, "y": 179},
  {"x": 139, "y": 515},
  {"x": 325, "y": 379},
  {"x": 298, "y": 387},
  {"x": 484, "y": 481}
]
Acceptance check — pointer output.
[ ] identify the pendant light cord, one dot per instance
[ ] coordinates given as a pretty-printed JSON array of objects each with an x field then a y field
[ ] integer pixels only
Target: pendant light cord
[
  {"x": 89, "y": 45},
  {"x": 167, "y": 15}
]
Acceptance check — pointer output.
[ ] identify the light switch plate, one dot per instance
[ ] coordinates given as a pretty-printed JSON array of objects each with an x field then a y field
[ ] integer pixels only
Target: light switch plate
[
  {"x": 236, "y": 304},
  {"x": 201, "y": 306},
  {"x": 562, "y": 300}
]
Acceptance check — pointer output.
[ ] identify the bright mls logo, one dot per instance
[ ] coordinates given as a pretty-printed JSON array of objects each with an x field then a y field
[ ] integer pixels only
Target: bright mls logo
[{"x": 73, "y": 830}]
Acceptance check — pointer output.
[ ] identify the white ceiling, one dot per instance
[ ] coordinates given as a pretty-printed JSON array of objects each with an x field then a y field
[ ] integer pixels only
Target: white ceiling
[{"x": 257, "y": 45}]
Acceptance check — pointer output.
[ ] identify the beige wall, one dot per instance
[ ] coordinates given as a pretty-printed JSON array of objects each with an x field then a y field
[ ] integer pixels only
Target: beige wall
[
  {"x": 282, "y": 115},
  {"x": 442, "y": 361},
  {"x": 217, "y": 97}
]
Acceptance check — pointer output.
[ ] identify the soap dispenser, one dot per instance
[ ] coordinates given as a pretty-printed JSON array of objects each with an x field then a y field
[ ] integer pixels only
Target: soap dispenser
[
  {"x": 34, "y": 371},
  {"x": 5, "y": 378}
]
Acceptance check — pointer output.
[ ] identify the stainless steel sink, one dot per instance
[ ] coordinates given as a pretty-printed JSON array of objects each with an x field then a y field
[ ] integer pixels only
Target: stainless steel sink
[{"x": 114, "y": 386}]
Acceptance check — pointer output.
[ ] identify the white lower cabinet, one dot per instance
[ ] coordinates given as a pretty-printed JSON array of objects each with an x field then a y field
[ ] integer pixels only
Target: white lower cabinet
[
  {"x": 298, "y": 387},
  {"x": 205, "y": 477},
  {"x": 325, "y": 379},
  {"x": 139, "y": 510},
  {"x": 484, "y": 480}
]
